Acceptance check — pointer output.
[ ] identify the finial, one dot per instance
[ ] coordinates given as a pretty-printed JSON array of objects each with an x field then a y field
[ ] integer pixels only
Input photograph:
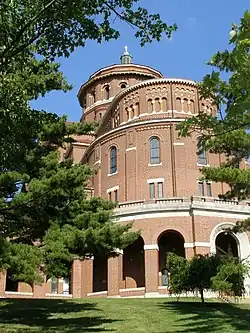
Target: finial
[{"x": 126, "y": 58}]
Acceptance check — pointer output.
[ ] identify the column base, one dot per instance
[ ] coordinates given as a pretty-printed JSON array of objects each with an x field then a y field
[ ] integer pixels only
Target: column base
[
  {"x": 116, "y": 296},
  {"x": 152, "y": 295}
]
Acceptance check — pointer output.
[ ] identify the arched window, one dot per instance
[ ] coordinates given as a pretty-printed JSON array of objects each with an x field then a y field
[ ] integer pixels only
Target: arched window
[
  {"x": 201, "y": 153},
  {"x": 123, "y": 85},
  {"x": 150, "y": 106},
  {"x": 106, "y": 92},
  {"x": 93, "y": 94},
  {"x": 157, "y": 105},
  {"x": 178, "y": 105},
  {"x": 191, "y": 106},
  {"x": 185, "y": 105},
  {"x": 154, "y": 150},
  {"x": 113, "y": 160}
]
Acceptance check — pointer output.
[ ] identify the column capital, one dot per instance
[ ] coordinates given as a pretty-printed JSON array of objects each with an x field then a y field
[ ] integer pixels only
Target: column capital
[
  {"x": 151, "y": 247},
  {"x": 118, "y": 251}
]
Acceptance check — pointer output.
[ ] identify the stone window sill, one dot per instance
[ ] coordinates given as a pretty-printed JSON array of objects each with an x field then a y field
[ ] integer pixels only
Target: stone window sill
[
  {"x": 112, "y": 174},
  {"x": 154, "y": 165},
  {"x": 203, "y": 165}
]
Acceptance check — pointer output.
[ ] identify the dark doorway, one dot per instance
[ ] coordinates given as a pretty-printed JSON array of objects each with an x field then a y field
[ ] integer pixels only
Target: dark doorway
[
  {"x": 226, "y": 245},
  {"x": 170, "y": 241},
  {"x": 100, "y": 273},
  {"x": 11, "y": 285},
  {"x": 133, "y": 265}
]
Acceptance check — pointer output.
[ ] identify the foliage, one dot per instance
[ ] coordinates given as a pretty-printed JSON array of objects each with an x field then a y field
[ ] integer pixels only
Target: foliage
[
  {"x": 42, "y": 199},
  {"x": 228, "y": 133},
  {"x": 178, "y": 268},
  {"x": 203, "y": 272},
  {"x": 230, "y": 276},
  {"x": 24, "y": 263}
]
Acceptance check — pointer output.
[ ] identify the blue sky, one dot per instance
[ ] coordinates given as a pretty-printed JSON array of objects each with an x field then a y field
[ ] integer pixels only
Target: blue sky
[{"x": 203, "y": 28}]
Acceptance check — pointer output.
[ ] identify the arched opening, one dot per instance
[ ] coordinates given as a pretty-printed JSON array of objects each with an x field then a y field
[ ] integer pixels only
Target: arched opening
[
  {"x": 100, "y": 273},
  {"x": 191, "y": 106},
  {"x": 133, "y": 265},
  {"x": 106, "y": 92},
  {"x": 226, "y": 245},
  {"x": 93, "y": 94},
  {"x": 178, "y": 105},
  {"x": 150, "y": 106},
  {"x": 157, "y": 105},
  {"x": 169, "y": 242},
  {"x": 185, "y": 105},
  {"x": 123, "y": 85},
  {"x": 137, "y": 109},
  {"x": 164, "y": 104},
  {"x": 11, "y": 284}
]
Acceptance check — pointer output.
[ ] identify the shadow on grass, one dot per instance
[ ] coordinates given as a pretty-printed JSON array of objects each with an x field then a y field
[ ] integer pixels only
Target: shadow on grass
[
  {"x": 194, "y": 317},
  {"x": 51, "y": 316}
]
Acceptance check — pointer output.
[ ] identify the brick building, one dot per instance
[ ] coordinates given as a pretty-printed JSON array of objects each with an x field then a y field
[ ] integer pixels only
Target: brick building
[{"x": 142, "y": 164}]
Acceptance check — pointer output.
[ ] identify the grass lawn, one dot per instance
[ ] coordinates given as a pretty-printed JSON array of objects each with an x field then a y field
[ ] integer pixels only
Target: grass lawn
[{"x": 122, "y": 315}]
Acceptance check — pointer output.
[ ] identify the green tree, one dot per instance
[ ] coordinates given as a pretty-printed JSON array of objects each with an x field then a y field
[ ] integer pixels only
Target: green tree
[
  {"x": 179, "y": 270},
  {"x": 201, "y": 270},
  {"x": 230, "y": 276},
  {"x": 228, "y": 133},
  {"x": 42, "y": 199}
]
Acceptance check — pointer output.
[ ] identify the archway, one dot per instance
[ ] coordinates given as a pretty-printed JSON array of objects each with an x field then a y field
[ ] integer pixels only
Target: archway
[
  {"x": 226, "y": 244},
  {"x": 133, "y": 265},
  {"x": 241, "y": 239},
  {"x": 11, "y": 284},
  {"x": 100, "y": 273},
  {"x": 169, "y": 242}
]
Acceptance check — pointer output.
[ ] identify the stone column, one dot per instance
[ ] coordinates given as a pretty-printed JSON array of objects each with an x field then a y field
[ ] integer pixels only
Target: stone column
[
  {"x": 76, "y": 277},
  {"x": 2, "y": 282},
  {"x": 189, "y": 250},
  {"x": 115, "y": 274},
  {"x": 39, "y": 290},
  {"x": 87, "y": 276},
  {"x": 161, "y": 105},
  {"x": 153, "y": 106},
  {"x": 60, "y": 286},
  {"x": 82, "y": 277},
  {"x": 151, "y": 252},
  {"x": 130, "y": 113}
]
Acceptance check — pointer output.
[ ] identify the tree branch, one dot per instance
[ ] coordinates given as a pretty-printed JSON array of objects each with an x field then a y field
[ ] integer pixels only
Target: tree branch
[{"x": 24, "y": 28}]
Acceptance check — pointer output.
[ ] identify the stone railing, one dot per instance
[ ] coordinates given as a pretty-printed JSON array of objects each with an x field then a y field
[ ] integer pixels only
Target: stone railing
[
  {"x": 184, "y": 200},
  {"x": 131, "y": 203},
  {"x": 172, "y": 200}
]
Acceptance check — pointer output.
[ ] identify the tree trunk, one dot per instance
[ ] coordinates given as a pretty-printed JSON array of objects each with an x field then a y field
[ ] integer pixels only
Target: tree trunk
[{"x": 202, "y": 295}]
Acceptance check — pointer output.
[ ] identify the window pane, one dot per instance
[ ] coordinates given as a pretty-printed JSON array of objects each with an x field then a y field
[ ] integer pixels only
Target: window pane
[
  {"x": 202, "y": 158},
  {"x": 201, "y": 189},
  {"x": 154, "y": 151},
  {"x": 54, "y": 286},
  {"x": 155, "y": 143},
  {"x": 155, "y": 160},
  {"x": 152, "y": 190},
  {"x": 113, "y": 160},
  {"x": 160, "y": 190},
  {"x": 65, "y": 285},
  {"x": 201, "y": 153},
  {"x": 209, "y": 190}
]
